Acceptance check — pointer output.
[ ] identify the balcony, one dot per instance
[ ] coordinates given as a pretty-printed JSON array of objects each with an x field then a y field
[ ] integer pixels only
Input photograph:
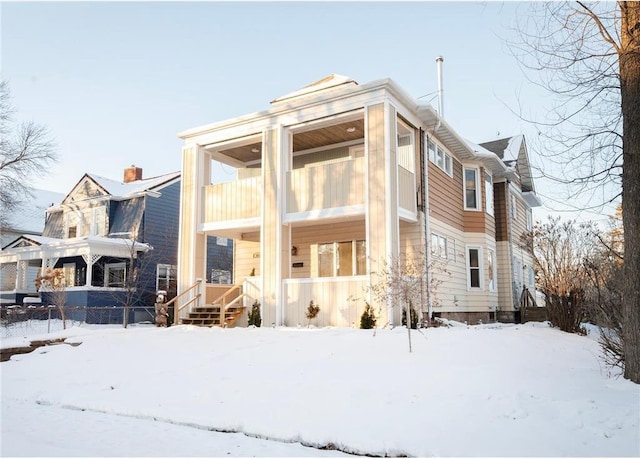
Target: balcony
[
  {"x": 237, "y": 200},
  {"x": 316, "y": 187}
]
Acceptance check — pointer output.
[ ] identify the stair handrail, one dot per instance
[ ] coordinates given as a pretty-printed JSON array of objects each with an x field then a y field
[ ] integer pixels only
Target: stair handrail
[
  {"x": 223, "y": 297},
  {"x": 177, "y": 309}
]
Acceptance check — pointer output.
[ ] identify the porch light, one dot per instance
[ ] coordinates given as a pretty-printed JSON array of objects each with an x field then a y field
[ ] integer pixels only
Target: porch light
[
  {"x": 351, "y": 129},
  {"x": 294, "y": 251},
  {"x": 255, "y": 150}
]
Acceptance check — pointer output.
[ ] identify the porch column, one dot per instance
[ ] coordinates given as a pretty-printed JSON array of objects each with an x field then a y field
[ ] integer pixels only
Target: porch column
[
  {"x": 382, "y": 225},
  {"x": 21, "y": 275},
  {"x": 191, "y": 242},
  {"x": 274, "y": 237}
]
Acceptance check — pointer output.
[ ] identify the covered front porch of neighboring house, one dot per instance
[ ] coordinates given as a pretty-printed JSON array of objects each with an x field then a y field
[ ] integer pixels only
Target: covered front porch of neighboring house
[{"x": 95, "y": 268}]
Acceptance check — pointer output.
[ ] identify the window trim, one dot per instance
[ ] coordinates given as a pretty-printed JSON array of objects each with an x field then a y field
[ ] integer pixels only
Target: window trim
[
  {"x": 113, "y": 266},
  {"x": 436, "y": 248},
  {"x": 488, "y": 194},
  {"x": 476, "y": 171},
  {"x": 170, "y": 267},
  {"x": 479, "y": 268},
  {"x": 447, "y": 158},
  {"x": 492, "y": 284},
  {"x": 334, "y": 253}
]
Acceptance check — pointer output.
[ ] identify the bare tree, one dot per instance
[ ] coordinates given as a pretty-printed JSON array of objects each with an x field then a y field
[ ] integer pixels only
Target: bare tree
[
  {"x": 406, "y": 281},
  {"x": 52, "y": 281},
  {"x": 26, "y": 151},
  {"x": 588, "y": 57}
]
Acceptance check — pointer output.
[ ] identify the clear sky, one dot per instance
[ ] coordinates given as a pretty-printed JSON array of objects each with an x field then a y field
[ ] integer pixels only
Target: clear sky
[{"x": 116, "y": 81}]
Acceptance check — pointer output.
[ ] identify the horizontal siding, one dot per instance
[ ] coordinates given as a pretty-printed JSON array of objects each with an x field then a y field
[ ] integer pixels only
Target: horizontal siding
[
  {"x": 505, "y": 294},
  {"x": 445, "y": 195},
  {"x": 244, "y": 261}
]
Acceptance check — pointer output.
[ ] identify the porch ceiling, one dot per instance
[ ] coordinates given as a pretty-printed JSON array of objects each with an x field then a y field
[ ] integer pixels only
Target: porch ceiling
[{"x": 307, "y": 140}]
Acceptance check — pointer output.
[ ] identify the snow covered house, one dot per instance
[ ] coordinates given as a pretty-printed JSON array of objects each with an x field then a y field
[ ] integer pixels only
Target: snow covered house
[
  {"x": 339, "y": 179},
  {"x": 100, "y": 231}
]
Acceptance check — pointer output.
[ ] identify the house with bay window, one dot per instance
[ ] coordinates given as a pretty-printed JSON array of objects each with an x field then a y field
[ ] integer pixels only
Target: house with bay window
[
  {"x": 111, "y": 238},
  {"x": 339, "y": 179}
]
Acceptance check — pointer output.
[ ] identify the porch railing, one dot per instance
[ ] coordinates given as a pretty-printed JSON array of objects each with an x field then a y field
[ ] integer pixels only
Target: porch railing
[{"x": 179, "y": 307}]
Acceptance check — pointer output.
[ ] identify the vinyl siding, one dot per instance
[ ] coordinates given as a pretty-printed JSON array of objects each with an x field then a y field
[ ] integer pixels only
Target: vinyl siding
[{"x": 446, "y": 195}]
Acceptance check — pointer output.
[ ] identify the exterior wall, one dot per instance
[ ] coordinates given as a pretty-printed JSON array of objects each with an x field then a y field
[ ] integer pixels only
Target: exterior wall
[
  {"x": 446, "y": 195},
  {"x": 246, "y": 258},
  {"x": 54, "y": 225},
  {"x": 126, "y": 216}
]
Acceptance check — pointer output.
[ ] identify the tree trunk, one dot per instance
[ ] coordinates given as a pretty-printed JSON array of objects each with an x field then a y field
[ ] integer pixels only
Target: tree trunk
[{"x": 629, "y": 59}]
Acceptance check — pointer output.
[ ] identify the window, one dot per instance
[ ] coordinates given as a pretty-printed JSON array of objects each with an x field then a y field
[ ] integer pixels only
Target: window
[
  {"x": 439, "y": 157},
  {"x": 473, "y": 268},
  {"x": 98, "y": 221},
  {"x": 471, "y": 201},
  {"x": 529, "y": 220},
  {"x": 115, "y": 274},
  {"x": 488, "y": 193},
  {"x": 491, "y": 269},
  {"x": 346, "y": 258},
  {"x": 532, "y": 278},
  {"x": 69, "y": 271},
  {"x": 514, "y": 208},
  {"x": 438, "y": 245},
  {"x": 166, "y": 277},
  {"x": 72, "y": 220}
]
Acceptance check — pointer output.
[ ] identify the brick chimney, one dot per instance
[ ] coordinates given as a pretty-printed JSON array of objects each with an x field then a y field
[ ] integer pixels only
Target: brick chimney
[{"x": 132, "y": 174}]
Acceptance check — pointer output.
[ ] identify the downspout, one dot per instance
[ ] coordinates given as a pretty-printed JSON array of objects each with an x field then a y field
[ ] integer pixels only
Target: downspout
[{"x": 425, "y": 215}]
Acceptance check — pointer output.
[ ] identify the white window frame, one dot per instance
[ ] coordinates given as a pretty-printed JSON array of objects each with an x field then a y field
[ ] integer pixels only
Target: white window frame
[
  {"x": 440, "y": 157},
  {"x": 492, "y": 270},
  {"x": 479, "y": 268},
  {"x": 514, "y": 207},
  {"x": 529, "y": 220},
  {"x": 439, "y": 242},
  {"x": 476, "y": 171},
  {"x": 108, "y": 267},
  {"x": 354, "y": 258},
  {"x": 488, "y": 193},
  {"x": 167, "y": 268},
  {"x": 98, "y": 214},
  {"x": 69, "y": 271}
]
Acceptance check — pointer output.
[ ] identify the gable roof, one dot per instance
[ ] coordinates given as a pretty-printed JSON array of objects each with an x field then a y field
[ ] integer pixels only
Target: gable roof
[
  {"x": 329, "y": 82},
  {"x": 121, "y": 190}
]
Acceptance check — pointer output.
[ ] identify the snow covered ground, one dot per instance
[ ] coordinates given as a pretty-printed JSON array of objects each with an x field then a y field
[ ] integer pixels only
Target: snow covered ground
[{"x": 485, "y": 390}]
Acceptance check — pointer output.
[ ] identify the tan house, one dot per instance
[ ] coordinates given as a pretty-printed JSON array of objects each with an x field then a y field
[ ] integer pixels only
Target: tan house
[{"x": 334, "y": 181}]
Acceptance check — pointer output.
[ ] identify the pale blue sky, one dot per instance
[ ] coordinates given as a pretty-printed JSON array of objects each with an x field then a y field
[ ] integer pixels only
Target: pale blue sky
[{"x": 115, "y": 82}]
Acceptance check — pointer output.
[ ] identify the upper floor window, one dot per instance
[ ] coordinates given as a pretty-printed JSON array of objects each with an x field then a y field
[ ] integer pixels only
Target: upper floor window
[
  {"x": 87, "y": 222},
  {"x": 488, "y": 193},
  {"x": 346, "y": 258},
  {"x": 529, "y": 220},
  {"x": 439, "y": 157},
  {"x": 513, "y": 207},
  {"x": 471, "y": 189}
]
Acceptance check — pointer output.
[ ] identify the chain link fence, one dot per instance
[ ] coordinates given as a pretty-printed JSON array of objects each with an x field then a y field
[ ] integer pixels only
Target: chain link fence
[{"x": 27, "y": 320}]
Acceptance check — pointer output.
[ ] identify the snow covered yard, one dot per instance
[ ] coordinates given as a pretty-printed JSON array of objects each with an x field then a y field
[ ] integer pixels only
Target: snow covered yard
[{"x": 487, "y": 390}]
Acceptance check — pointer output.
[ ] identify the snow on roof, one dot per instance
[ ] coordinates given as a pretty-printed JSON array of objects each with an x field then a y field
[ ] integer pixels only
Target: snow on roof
[
  {"x": 328, "y": 82},
  {"x": 29, "y": 217},
  {"x": 122, "y": 189}
]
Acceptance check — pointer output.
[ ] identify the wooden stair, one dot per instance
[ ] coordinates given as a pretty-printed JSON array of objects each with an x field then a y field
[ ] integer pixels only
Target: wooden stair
[{"x": 210, "y": 316}]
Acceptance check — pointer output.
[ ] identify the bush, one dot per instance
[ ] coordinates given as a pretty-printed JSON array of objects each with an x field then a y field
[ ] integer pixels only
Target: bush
[
  {"x": 254, "y": 315},
  {"x": 368, "y": 317},
  {"x": 414, "y": 317},
  {"x": 312, "y": 312}
]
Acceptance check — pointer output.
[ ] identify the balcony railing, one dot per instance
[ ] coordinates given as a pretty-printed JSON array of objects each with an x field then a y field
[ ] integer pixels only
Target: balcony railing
[
  {"x": 325, "y": 186},
  {"x": 406, "y": 189},
  {"x": 233, "y": 200}
]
